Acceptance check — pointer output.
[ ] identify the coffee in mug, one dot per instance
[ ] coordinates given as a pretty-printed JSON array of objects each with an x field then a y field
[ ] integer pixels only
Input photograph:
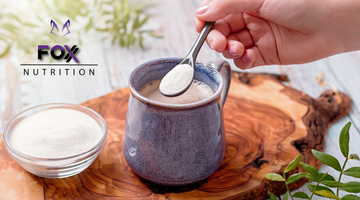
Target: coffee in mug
[{"x": 196, "y": 92}]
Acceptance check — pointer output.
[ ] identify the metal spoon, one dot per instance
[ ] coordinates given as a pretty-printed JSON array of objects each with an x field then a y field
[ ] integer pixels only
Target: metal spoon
[{"x": 183, "y": 83}]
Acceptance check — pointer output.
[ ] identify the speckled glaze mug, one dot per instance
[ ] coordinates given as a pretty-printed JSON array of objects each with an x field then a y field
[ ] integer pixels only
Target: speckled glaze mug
[{"x": 176, "y": 144}]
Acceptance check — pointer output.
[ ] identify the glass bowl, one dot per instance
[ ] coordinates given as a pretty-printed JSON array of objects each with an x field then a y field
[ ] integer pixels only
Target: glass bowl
[{"x": 55, "y": 167}]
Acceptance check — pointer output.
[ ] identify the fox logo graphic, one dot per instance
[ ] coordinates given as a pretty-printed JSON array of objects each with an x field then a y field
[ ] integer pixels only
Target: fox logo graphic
[
  {"x": 71, "y": 52},
  {"x": 65, "y": 26}
]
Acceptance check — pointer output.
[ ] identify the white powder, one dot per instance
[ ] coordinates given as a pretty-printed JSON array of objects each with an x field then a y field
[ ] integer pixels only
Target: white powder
[
  {"x": 55, "y": 133},
  {"x": 196, "y": 92},
  {"x": 177, "y": 79}
]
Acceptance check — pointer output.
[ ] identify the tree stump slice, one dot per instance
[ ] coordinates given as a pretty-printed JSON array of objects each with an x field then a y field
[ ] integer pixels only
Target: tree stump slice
[{"x": 267, "y": 125}]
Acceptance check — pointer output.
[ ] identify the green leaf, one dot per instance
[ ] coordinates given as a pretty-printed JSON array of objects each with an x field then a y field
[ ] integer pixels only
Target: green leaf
[
  {"x": 318, "y": 188},
  {"x": 311, "y": 169},
  {"x": 144, "y": 21},
  {"x": 152, "y": 34},
  {"x": 125, "y": 5},
  {"x": 350, "y": 197},
  {"x": 106, "y": 13},
  {"x": 127, "y": 42},
  {"x": 136, "y": 23},
  {"x": 332, "y": 184},
  {"x": 102, "y": 29},
  {"x": 325, "y": 193},
  {"x": 121, "y": 41},
  {"x": 327, "y": 177},
  {"x": 114, "y": 39},
  {"x": 9, "y": 27},
  {"x": 89, "y": 24},
  {"x": 31, "y": 25},
  {"x": 118, "y": 14},
  {"x": 131, "y": 39},
  {"x": 312, "y": 177},
  {"x": 6, "y": 51},
  {"x": 272, "y": 196},
  {"x": 295, "y": 177},
  {"x": 125, "y": 21},
  {"x": 274, "y": 177},
  {"x": 293, "y": 164},
  {"x": 301, "y": 195},
  {"x": 351, "y": 186},
  {"x": 117, "y": 10},
  {"x": 353, "y": 171},
  {"x": 141, "y": 41},
  {"x": 11, "y": 15},
  {"x": 286, "y": 196},
  {"x": 344, "y": 139},
  {"x": 327, "y": 159}
]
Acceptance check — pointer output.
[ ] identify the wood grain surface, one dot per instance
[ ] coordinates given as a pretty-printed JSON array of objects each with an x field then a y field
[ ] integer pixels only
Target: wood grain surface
[
  {"x": 267, "y": 125},
  {"x": 174, "y": 21}
]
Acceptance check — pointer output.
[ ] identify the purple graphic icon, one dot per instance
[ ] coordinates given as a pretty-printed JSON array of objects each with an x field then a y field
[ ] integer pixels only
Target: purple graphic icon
[{"x": 65, "y": 26}]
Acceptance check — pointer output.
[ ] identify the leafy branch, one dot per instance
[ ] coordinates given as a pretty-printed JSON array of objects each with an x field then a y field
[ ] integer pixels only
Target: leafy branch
[
  {"x": 326, "y": 180},
  {"x": 13, "y": 30},
  {"x": 124, "y": 21}
]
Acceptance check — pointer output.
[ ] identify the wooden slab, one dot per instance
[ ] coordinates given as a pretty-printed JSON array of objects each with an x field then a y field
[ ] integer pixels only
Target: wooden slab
[{"x": 267, "y": 125}]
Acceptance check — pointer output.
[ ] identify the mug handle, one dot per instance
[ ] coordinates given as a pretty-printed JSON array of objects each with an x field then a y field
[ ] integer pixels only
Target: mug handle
[{"x": 223, "y": 67}]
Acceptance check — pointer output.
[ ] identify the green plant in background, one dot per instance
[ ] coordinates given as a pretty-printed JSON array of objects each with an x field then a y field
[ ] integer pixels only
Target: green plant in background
[
  {"x": 13, "y": 30},
  {"x": 324, "y": 181},
  {"x": 70, "y": 8},
  {"x": 124, "y": 21}
]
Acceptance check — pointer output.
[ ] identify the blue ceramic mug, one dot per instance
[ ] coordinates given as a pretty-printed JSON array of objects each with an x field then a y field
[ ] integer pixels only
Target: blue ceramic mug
[{"x": 176, "y": 144}]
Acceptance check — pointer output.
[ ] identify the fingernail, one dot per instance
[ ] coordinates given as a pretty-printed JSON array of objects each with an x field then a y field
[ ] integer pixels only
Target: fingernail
[
  {"x": 245, "y": 57},
  {"x": 232, "y": 51},
  {"x": 211, "y": 44},
  {"x": 202, "y": 9}
]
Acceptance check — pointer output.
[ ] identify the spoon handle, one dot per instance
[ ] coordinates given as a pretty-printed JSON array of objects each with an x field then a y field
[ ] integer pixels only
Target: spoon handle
[{"x": 199, "y": 41}]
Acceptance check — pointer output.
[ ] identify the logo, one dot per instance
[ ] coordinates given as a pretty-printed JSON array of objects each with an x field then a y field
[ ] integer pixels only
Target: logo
[
  {"x": 71, "y": 52},
  {"x": 65, "y": 26},
  {"x": 60, "y": 52}
]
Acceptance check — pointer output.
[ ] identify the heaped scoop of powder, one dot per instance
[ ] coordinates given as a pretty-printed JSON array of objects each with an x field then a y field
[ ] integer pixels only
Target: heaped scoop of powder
[
  {"x": 177, "y": 79},
  {"x": 55, "y": 133}
]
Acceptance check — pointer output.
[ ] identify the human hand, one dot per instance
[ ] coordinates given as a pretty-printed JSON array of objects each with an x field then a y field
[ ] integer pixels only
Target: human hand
[{"x": 266, "y": 32}]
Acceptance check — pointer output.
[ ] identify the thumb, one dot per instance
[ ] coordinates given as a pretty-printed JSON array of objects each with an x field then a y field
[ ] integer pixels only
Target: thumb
[{"x": 218, "y": 9}]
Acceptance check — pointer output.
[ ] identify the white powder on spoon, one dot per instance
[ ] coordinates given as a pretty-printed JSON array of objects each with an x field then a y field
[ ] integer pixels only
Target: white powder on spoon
[
  {"x": 177, "y": 79},
  {"x": 55, "y": 133}
]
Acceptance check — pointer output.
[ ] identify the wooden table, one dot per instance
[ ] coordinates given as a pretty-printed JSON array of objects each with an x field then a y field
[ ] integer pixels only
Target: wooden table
[{"x": 174, "y": 21}]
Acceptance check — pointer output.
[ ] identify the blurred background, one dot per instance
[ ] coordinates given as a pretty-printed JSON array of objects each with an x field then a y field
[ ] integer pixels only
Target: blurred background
[{"x": 119, "y": 35}]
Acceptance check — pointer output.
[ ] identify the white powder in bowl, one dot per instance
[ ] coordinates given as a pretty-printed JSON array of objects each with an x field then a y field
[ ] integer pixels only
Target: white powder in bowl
[
  {"x": 55, "y": 133},
  {"x": 177, "y": 79}
]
